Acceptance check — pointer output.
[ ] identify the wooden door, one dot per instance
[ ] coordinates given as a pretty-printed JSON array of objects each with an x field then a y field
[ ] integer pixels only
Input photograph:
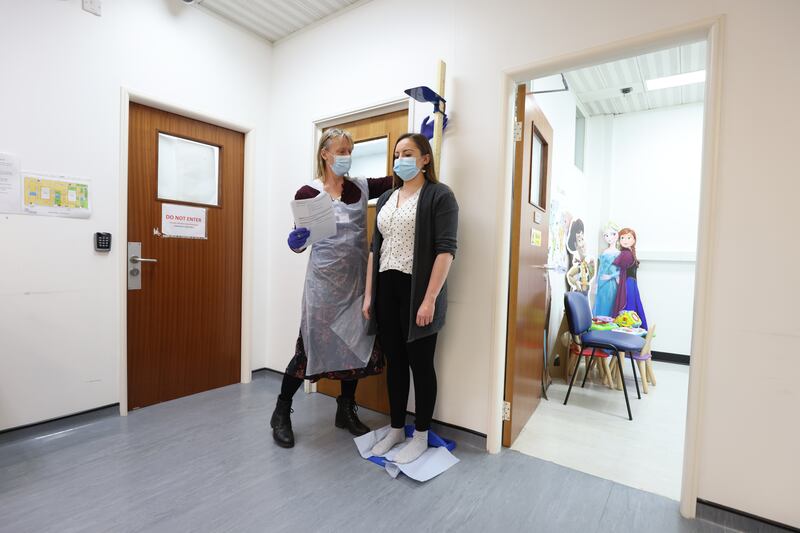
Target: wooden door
[
  {"x": 184, "y": 324},
  {"x": 527, "y": 277},
  {"x": 371, "y": 392}
]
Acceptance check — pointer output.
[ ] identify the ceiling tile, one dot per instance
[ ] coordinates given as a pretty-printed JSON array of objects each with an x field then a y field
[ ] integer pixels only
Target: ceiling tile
[
  {"x": 599, "y": 84},
  {"x": 274, "y": 19}
]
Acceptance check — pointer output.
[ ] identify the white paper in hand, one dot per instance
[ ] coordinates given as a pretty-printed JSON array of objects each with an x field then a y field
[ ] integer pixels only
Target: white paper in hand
[{"x": 317, "y": 215}]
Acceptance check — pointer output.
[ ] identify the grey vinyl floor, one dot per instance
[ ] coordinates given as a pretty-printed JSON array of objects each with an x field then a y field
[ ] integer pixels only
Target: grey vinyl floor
[{"x": 208, "y": 463}]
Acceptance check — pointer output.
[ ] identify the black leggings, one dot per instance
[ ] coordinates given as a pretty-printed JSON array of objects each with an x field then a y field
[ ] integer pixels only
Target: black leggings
[
  {"x": 392, "y": 311},
  {"x": 291, "y": 384}
]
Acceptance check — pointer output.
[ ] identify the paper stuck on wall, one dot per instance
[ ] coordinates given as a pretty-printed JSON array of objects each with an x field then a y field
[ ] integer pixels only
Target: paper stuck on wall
[
  {"x": 58, "y": 196},
  {"x": 536, "y": 237},
  {"x": 10, "y": 184}
]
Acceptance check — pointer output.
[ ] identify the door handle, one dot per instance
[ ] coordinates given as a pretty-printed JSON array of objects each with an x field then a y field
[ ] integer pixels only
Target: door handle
[
  {"x": 134, "y": 258},
  {"x": 545, "y": 267},
  {"x": 137, "y": 259}
]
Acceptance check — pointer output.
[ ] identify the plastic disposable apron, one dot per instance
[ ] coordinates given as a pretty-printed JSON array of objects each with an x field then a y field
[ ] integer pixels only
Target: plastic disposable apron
[{"x": 334, "y": 330}]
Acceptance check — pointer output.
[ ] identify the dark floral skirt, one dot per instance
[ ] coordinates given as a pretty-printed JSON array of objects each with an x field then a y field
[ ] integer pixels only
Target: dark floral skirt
[{"x": 297, "y": 366}]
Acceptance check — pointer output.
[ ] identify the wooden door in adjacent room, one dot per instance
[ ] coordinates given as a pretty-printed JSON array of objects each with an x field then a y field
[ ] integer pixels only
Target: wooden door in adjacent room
[
  {"x": 184, "y": 320},
  {"x": 528, "y": 273}
]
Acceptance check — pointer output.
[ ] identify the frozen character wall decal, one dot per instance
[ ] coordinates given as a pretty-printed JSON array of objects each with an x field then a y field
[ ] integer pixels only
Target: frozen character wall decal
[
  {"x": 628, "y": 298},
  {"x": 607, "y": 273}
]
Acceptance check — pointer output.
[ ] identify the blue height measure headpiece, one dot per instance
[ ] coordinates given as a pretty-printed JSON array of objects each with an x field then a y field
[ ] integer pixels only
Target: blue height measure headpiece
[{"x": 426, "y": 94}]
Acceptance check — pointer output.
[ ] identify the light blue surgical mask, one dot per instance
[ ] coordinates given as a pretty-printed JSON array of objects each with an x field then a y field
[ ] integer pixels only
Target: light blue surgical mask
[
  {"x": 406, "y": 167},
  {"x": 341, "y": 164}
]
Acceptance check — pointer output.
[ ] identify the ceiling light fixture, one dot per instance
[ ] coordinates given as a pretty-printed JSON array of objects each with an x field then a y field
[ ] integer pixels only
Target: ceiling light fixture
[{"x": 677, "y": 80}]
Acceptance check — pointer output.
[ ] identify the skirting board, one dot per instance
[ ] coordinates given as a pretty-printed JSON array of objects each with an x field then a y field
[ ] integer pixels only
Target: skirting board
[
  {"x": 446, "y": 424},
  {"x": 737, "y": 520},
  {"x": 87, "y": 416},
  {"x": 668, "y": 357}
]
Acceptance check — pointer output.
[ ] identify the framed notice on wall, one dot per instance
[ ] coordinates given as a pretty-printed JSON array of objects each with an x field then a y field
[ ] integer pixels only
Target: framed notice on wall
[{"x": 60, "y": 196}]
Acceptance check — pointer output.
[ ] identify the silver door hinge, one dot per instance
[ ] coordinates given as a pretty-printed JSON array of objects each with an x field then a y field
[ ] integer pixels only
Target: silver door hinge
[
  {"x": 517, "y": 131},
  {"x": 506, "y": 411}
]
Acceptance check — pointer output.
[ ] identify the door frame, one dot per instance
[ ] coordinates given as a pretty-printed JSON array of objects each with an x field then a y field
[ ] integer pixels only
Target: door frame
[
  {"x": 128, "y": 96},
  {"x": 712, "y": 30}
]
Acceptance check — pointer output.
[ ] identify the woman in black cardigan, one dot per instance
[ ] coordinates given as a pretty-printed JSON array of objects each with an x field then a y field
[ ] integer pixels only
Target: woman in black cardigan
[{"x": 406, "y": 291}]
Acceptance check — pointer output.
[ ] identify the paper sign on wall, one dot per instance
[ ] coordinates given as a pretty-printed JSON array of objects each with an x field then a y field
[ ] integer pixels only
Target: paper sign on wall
[
  {"x": 10, "y": 184},
  {"x": 536, "y": 237},
  {"x": 58, "y": 196},
  {"x": 183, "y": 221}
]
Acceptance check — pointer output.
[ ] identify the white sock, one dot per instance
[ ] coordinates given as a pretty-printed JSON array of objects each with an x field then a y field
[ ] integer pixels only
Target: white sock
[
  {"x": 392, "y": 439},
  {"x": 413, "y": 449}
]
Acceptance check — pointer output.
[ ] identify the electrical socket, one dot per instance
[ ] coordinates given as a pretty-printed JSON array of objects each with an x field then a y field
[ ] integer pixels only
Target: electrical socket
[{"x": 93, "y": 6}]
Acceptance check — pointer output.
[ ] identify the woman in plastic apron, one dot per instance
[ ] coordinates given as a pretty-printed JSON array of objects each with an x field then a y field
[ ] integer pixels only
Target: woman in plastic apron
[{"x": 333, "y": 341}]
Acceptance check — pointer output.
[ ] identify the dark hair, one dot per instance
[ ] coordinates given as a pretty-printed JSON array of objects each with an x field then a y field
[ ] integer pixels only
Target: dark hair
[
  {"x": 425, "y": 148},
  {"x": 575, "y": 228}
]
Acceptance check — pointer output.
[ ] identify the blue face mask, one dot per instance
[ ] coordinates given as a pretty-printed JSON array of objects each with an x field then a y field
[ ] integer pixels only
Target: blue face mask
[
  {"x": 341, "y": 164},
  {"x": 406, "y": 167}
]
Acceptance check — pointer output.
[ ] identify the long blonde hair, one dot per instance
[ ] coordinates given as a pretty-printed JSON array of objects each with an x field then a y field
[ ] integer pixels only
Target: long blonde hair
[{"x": 325, "y": 141}]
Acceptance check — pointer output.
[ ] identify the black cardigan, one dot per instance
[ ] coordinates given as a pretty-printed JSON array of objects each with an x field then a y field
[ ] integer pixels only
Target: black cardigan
[{"x": 435, "y": 232}]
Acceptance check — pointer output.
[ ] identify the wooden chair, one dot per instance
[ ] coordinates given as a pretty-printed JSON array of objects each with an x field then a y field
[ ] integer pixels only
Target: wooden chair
[{"x": 643, "y": 359}]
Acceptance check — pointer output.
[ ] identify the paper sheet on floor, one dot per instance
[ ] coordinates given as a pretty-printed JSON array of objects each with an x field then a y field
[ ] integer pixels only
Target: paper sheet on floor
[{"x": 435, "y": 460}]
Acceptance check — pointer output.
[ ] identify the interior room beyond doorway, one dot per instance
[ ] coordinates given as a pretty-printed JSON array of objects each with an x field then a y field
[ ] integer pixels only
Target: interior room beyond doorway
[{"x": 626, "y": 153}]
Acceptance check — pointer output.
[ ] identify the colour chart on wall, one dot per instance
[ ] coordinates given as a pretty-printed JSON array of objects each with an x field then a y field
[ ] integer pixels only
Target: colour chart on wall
[{"x": 60, "y": 196}]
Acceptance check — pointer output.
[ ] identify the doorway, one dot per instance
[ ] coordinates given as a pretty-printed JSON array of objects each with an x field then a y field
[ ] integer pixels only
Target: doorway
[
  {"x": 695, "y": 251},
  {"x": 184, "y": 261}
]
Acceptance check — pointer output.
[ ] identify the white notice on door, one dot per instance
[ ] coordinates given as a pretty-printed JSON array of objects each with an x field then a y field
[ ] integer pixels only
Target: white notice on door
[{"x": 183, "y": 221}]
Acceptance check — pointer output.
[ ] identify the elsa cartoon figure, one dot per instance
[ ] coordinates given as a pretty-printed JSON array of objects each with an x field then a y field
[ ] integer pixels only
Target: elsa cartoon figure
[{"x": 607, "y": 273}]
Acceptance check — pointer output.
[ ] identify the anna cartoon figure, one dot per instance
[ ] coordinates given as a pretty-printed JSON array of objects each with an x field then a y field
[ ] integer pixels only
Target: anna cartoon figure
[
  {"x": 607, "y": 273},
  {"x": 628, "y": 298}
]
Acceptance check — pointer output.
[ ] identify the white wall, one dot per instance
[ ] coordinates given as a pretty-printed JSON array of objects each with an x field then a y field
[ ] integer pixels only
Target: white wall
[
  {"x": 61, "y": 72},
  {"x": 741, "y": 433},
  {"x": 654, "y": 186}
]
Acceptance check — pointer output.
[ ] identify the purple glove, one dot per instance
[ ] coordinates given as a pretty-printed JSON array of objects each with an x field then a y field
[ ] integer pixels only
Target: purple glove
[
  {"x": 426, "y": 128},
  {"x": 297, "y": 238}
]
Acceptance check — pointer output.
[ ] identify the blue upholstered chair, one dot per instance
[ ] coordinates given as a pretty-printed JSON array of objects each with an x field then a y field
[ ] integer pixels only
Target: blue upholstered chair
[{"x": 579, "y": 318}]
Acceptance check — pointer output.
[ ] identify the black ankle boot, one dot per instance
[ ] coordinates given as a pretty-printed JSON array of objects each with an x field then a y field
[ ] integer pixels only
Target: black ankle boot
[
  {"x": 346, "y": 417},
  {"x": 282, "y": 424}
]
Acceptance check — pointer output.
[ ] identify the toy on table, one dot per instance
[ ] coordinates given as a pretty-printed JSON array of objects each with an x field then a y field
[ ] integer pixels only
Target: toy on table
[
  {"x": 603, "y": 323},
  {"x": 641, "y": 332},
  {"x": 628, "y": 319}
]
